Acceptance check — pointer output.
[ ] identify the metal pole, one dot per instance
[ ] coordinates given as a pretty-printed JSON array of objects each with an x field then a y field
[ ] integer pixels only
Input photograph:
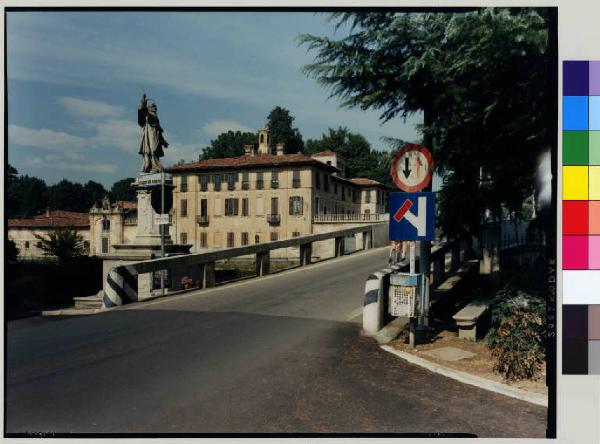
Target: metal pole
[
  {"x": 411, "y": 256},
  {"x": 162, "y": 230}
]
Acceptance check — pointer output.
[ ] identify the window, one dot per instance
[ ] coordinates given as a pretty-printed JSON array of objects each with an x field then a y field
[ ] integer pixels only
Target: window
[
  {"x": 335, "y": 188},
  {"x": 329, "y": 162},
  {"x": 274, "y": 235},
  {"x": 231, "y": 179},
  {"x": 317, "y": 180},
  {"x": 296, "y": 179},
  {"x": 184, "y": 184},
  {"x": 203, "y": 240},
  {"x": 203, "y": 207},
  {"x": 26, "y": 244},
  {"x": 245, "y": 180},
  {"x": 105, "y": 225},
  {"x": 368, "y": 196},
  {"x": 183, "y": 238},
  {"x": 275, "y": 179},
  {"x": 183, "y": 208},
  {"x": 217, "y": 182},
  {"x": 262, "y": 138},
  {"x": 260, "y": 184},
  {"x": 230, "y": 240},
  {"x": 316, "y": 210},
  {"x": 39, "y": 244},
  {"x": 231, "y": 207},
  {"x": 296, "y": 206},
  {"x": 244, "y": 238},
  {"x": 86, "y": 245},
  {"x": 105, "y": 245},
  {"x": 204, "y": 179},
  {"x": 295, "y": 234},
  {"x": 274, "y": 205},
  {"x": 245, "y": 206},
  {"x": 326, "y": 182},
  {"x": 354, "y": 196},
  {"x": 257, "y": 238}
]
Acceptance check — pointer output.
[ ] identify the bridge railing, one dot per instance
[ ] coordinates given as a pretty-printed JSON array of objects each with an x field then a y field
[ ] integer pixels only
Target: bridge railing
[
  {"x": 121, "y": 282},
  {"x": 360, "y": 217}
]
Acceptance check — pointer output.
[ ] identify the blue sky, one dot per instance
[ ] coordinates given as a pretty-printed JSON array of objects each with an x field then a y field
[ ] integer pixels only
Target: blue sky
[{"x": 75, "y": 79}]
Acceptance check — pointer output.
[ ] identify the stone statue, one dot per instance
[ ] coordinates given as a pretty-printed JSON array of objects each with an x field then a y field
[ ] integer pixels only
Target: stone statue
[{"x": 152, "y": 141}]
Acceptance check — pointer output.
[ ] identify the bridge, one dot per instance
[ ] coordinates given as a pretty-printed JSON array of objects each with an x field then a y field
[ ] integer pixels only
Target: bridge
[{"x": 281, "y": 353}]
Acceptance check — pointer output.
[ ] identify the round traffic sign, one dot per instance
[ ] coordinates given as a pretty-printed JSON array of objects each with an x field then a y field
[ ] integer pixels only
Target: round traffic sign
[{"x": 411, "y": 168}]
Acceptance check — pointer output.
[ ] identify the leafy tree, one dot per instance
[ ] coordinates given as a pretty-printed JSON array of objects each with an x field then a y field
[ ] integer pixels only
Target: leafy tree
[
  {"x": 65, "y": 245},
  {"x": 68, "y": 196},
  {"x": 481, "y": 80},
  {"x": 122, "y": 190},
  {"x": 95, "y": 192},
  {"x": 27, "y": 196},
  {"x": 229, "y": 144},
  {"x": 12, "y": 200},
  {"x": 10, "y": 250},
  {"x": 280, "y": 123}
]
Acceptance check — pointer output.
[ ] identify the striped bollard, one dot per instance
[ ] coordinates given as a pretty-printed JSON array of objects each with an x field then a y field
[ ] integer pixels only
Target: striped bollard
[
  {"x": 121, "y": 287},
  {"x": 373, "y": 308}
]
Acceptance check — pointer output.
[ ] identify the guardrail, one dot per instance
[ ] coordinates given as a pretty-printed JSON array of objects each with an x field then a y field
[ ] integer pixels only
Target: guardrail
[
  {"x": 121, "y": 281},
  {"x": 362, "y": 217}
]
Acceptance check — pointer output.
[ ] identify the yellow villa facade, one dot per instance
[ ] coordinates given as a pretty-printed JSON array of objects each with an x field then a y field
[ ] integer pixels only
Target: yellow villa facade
[{"x": 260, "y": 197}]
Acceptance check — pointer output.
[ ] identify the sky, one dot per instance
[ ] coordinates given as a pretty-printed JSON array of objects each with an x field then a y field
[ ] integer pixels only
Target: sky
[{"x": 75, "y": 81}]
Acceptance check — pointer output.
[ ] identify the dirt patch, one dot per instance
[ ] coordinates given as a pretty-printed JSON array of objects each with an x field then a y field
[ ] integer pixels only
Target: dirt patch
[{"x": 481, "y": 364}]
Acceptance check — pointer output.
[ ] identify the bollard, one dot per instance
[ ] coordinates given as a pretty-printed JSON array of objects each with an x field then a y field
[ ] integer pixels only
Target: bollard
[
  {"x": 121, "y": 287},
  {"x": 373, "y": 307}
]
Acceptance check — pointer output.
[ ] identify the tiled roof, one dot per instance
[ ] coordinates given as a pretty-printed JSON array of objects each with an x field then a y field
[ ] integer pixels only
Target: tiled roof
[
  {"x": 248, "y": 161},
  {"x": 53, "y": 219},
  {"x": 363, "y": 181},
  {"x": 125, "y": 204},
  {"x": 323, "y": 153}
]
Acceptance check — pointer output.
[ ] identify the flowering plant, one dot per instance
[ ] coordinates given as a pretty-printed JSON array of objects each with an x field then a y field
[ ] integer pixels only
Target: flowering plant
[{"x": 186, "y": 282}]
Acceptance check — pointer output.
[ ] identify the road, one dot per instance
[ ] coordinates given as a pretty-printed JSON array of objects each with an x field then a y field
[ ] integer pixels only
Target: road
[{"x": 280, "y": 354}]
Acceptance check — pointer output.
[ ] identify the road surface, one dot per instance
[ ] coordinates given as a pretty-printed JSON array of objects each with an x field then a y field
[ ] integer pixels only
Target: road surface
[{"x": 280, "y": 354}]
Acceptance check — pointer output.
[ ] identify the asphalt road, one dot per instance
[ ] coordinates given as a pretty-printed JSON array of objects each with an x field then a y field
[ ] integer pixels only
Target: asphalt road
[{"x": 281, "y": 354}]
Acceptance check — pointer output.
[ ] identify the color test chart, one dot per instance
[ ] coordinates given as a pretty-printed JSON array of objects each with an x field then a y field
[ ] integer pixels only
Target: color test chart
[{"x": 581, "y": 217}]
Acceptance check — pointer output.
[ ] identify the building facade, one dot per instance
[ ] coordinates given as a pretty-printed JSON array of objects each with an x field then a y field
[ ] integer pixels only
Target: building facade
[{"x": 261, "y": 197}]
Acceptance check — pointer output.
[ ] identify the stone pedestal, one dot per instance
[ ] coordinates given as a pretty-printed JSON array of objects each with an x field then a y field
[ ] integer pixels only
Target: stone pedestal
[{"x": 147, "y": 242}]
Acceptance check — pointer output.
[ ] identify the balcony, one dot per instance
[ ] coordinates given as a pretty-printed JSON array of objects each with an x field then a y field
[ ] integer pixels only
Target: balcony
[
  {"x": 275, "y": 183},
  {"x": 274, "y": 219},
  {"x": 202, "y": 220},
  {"x": 296, "y": 183},
  {"x": 245, "y": 185}
]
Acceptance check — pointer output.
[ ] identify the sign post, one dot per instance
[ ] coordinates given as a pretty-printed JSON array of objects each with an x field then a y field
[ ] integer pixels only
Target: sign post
[{"x": 412, "y": 218}]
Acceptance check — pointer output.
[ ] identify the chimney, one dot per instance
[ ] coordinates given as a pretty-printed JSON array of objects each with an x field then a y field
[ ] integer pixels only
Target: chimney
[
  {"x": 249, "y": 150},
  {"x": 280, "y": 149}
]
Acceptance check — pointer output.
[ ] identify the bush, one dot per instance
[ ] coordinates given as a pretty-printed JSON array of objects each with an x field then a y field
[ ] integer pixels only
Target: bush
[{"x": 517, "y": 334}]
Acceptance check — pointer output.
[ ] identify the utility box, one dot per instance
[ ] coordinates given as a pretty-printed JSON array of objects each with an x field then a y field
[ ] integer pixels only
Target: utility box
[{"x": 406, "y": 294}]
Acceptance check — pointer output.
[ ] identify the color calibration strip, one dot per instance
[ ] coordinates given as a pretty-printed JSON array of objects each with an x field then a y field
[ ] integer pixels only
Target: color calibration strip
[{"x": 581, "y": 217}]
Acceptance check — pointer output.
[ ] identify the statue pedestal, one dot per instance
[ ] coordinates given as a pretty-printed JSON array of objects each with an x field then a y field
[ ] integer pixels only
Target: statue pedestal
[{"x": 147, "y": 242}]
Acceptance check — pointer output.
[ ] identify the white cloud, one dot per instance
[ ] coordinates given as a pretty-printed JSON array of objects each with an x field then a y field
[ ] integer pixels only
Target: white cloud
[
  {"x": 61, "y": 164},
  {"x": 122, "y": 134},
  {"x": 44, "y": 138},
  {"x": 216, "y": 127},
  {"x": 90, "y": 108},
  {"x": 177, "y": 151}
]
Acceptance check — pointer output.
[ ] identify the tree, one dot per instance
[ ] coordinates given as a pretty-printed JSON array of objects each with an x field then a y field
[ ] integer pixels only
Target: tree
[
  {"x": 12, "y": 200},
  {"x": 10, "y": 250},
  {"x": 479, "y": 77},
  {"x": 65, "y": 245},
  {"x": 122, "y": 190},
  {"x": 280, "y": 123},
  {"x": 27, "y": 196},
  {"x": 95, "y": 192},
  {"x": 68, "y": 196},
  {"x": 229, "y": 144}
]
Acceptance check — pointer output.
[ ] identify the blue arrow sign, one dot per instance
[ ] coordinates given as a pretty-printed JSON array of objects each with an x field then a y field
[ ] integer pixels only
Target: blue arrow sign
[{"x": 412, "y": 216}]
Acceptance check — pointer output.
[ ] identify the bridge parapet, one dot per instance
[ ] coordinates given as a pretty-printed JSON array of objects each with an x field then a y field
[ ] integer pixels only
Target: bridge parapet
[{"x": 121, "y": 281}]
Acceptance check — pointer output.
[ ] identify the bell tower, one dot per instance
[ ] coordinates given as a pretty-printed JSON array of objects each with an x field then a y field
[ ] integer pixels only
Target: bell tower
[{"x": 263, "y": 140}]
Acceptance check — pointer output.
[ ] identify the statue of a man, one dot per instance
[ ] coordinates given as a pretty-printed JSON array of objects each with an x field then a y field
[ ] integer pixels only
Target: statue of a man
[{"x": 152, "y": 141}]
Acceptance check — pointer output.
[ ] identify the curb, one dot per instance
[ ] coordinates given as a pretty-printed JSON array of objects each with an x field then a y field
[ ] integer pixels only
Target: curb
[{"x": 466, "y": 378}]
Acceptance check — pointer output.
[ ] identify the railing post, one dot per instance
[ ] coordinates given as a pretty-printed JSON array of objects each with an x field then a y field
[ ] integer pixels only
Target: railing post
[
  {"x": 263, "y": 263},
  {"x": 305, "y": 253},
  {"x": 208, "y": 275},
  {"x": 339, "y": 246}
]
